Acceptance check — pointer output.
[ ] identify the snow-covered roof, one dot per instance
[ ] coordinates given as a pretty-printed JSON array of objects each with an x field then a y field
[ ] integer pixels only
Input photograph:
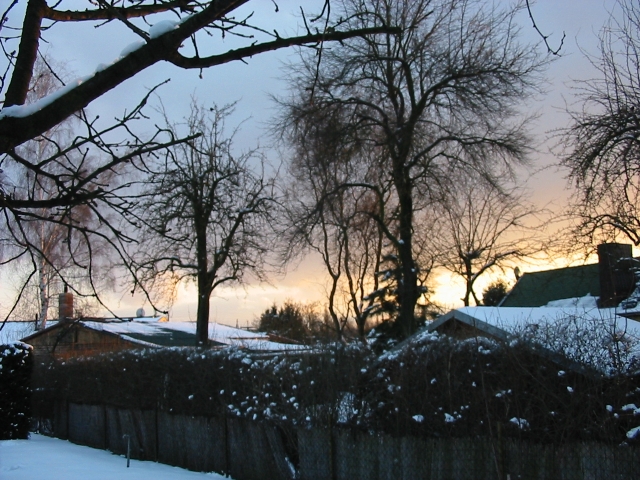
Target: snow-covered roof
[
  {"x": 154, "y": 332},
  {"x": 514, "y": 319},
  {"x": 14, "y": 331},
  {"x": 586, "y": 302},
  {"x": 580, "y": 332}
]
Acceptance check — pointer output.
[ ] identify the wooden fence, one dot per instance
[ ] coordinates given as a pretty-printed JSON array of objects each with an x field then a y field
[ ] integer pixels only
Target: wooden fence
[{"x": 248, "y": 450}]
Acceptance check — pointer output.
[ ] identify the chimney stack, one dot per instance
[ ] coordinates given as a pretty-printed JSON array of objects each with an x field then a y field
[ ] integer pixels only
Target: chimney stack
[
  {"x": 65, "y": 305},
  {"x": 617, "y": 280}
]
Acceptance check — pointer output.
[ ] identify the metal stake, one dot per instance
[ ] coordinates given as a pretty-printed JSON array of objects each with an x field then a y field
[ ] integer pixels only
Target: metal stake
[{"x": 128, "y": 437}]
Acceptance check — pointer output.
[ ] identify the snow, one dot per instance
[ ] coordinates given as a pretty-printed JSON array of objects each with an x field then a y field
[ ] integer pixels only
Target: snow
[
  {"x": 132, "y": 47},
  {"x": 257, "y": 341},
  {"x": 21, "y": 111},
  {"x": 45, "y": 458},
  {"x": 588, "y": 301},
  {"x": 521, "y": 423},
  {"x": 631, "y": 407},
  {"x": 449, "y": 418},
  {"x": 633, "y": 433},
  {"x": 162, "y": 27}
]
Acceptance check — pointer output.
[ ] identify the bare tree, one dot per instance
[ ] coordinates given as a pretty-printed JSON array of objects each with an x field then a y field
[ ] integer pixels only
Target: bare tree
[
  {"x": 87, "y": 170},
  {"x": 602, "y": 147},
  {"x": 48, "y": 241},
  {"x": 442, "y": 96},
  {"x": 43, "y": 242},
  {"x": 484, "y": 229},
  {"x": 205, "y": 214},
  {"x": 336, "y": 222}
]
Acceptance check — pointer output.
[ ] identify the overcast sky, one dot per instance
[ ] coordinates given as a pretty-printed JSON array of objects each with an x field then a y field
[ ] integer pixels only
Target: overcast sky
[{"x": 81, "y": 48}]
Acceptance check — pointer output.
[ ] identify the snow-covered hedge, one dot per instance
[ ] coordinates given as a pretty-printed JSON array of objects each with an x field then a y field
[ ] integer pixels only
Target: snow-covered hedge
[
  {"x": 432, "y": 387},
  {"x": 476, "y": 386},
  {"x": 210, "y": 383},
  {"x": 15, "y": 391}
]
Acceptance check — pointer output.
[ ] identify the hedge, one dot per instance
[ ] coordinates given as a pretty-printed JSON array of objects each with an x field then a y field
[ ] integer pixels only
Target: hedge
[{"x": 16, "y": 363}]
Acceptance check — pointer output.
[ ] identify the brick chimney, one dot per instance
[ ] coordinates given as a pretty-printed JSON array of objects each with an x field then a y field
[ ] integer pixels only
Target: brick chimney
[
  {"x": 65, "y": 305},
  {"x": 617, "y": 280}
]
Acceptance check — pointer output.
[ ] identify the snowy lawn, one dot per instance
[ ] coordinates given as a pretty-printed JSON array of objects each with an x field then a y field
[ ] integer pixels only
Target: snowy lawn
[{"x": 45, "y": 458}]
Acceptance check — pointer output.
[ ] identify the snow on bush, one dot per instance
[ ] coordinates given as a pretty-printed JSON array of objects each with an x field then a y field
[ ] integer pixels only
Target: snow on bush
[
  {"x": 431, "y": 386},
  {"x": 607, "y": 343},
  {"x": 467, "y": 387}
]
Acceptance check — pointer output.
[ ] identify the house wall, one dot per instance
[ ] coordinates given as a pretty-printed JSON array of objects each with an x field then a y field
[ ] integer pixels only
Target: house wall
[
  {"x": 73, "y": 340},
  {"x": 460, "y": 330}
]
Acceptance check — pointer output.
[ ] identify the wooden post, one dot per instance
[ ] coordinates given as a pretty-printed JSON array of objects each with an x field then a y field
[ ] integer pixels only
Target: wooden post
[{"x": 128, "y": 437}]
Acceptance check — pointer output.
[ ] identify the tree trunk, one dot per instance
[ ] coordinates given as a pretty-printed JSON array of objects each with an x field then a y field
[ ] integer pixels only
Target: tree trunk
[
  {"x": 332, "y": 310},
  {"x": 408, "y": 281},
  {"x": 44, "y": 297},
  {"x": 468, "y": 277},
  {"x": 22, "y": 73},
  {"x": 204, "y": 287},
  {"x": 202, "y": 319}
]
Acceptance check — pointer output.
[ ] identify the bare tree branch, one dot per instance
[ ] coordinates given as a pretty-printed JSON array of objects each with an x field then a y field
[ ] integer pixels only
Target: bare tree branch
[{"x": 545, "y": 38}]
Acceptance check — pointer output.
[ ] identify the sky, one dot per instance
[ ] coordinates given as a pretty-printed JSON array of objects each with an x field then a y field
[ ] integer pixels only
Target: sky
[{"x": 81, "y": 48}]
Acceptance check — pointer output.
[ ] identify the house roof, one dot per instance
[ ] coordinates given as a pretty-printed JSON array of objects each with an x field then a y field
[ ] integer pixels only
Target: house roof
[
  {"x": 536, "y": 289},
  {"x": 570, "y": 330},
  {"x": 512, "y": 319},
  {"x": 152, "y": 332}
]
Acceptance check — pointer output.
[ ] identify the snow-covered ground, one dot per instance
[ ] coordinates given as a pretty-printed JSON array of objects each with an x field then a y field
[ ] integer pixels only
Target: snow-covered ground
[{"x": 45, "y": 458}]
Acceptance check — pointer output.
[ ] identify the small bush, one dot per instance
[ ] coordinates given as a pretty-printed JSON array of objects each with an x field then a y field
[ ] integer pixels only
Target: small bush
[
  {"x": 288, "y": 321},
  {"x": 494, "y": 293}
]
